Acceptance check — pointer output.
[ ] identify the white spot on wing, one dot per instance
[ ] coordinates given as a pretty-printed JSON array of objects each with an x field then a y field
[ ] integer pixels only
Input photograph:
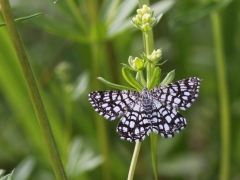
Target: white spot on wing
[
  {"x": 132, "y": 124},
  {"x": 166, "y": 127}
]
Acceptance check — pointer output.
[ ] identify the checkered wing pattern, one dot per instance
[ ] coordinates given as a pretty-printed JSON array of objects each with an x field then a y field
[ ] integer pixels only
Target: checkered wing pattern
[
  {"x": 135, "y": 124},
  {"x": 147, "y": 111},
  {"x": 112, "y": 104},
  {"x": 179, "y": 94},
  {"x": 166, "y": 120}
]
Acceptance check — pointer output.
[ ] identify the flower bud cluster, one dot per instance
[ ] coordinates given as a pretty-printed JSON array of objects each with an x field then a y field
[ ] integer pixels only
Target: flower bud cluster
[
  {"x": 144, "y": 19},
  {"x": 155, "y": 56},
  {"x": 136, "y": 63}
]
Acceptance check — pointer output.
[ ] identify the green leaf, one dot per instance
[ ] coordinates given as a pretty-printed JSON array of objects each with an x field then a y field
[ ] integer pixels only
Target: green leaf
[
  {"x": 7, "y": 177},
  {"x": 128, "y": 76},
  {"x": 80, "y": 152},
  {"x": 159, "y": 64},
  {"x": 24, "y": 18},
  {"x": 115, "y": 86},
  {"x": 145, "y": 58},
  {"x": 2, "y": 171},
  {"x": 169, "y": 78},
  {"x": 121, "y": 20},
  {"x": 108, "y": 10},
  {"x": 155, "y": 79},
  {"x": 25, "y": 168},
  {"x": 195, "y": 14},
  {"x": 140, "y": 78},
  {"x": 224, "y": 3},
  {"x": 55, "y": 27},
  {"x": 129, "y": 67},
  {"x": 162, "y": 6},
  {"x": 157, "y": 20}
]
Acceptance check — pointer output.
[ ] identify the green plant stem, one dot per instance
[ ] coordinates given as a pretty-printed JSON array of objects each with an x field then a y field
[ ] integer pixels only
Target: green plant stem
[
  {"x": 148, "y": 42},
  {"x": 148, "y": 48},
  {"x": 76, "y": 13},
  {"x": 223, "y": 96},
  {"x": 134, "y": 160},
  {"x": 96, "y": 49},
  {"x": 33, "y": 91}
]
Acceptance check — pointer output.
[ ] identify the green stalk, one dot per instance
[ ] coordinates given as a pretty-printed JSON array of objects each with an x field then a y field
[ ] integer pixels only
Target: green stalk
[
  {"x": 134, "y": 160},
  {"x": 148, "y": 42},
  {"x": 76, "y": 13},
  {"x": 33, "y": 91},
  {"x": 223, "y": 96},
  {"x": 149, "y": 47},
  {"x": 96, "y": 49}
]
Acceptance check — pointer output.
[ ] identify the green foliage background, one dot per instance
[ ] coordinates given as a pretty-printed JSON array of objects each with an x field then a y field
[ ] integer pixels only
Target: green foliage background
[{"x": 78, "y": 41}]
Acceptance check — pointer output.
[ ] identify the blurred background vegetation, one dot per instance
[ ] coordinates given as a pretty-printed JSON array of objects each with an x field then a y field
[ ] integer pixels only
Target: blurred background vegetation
[{"x": 78, "y": 41}]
